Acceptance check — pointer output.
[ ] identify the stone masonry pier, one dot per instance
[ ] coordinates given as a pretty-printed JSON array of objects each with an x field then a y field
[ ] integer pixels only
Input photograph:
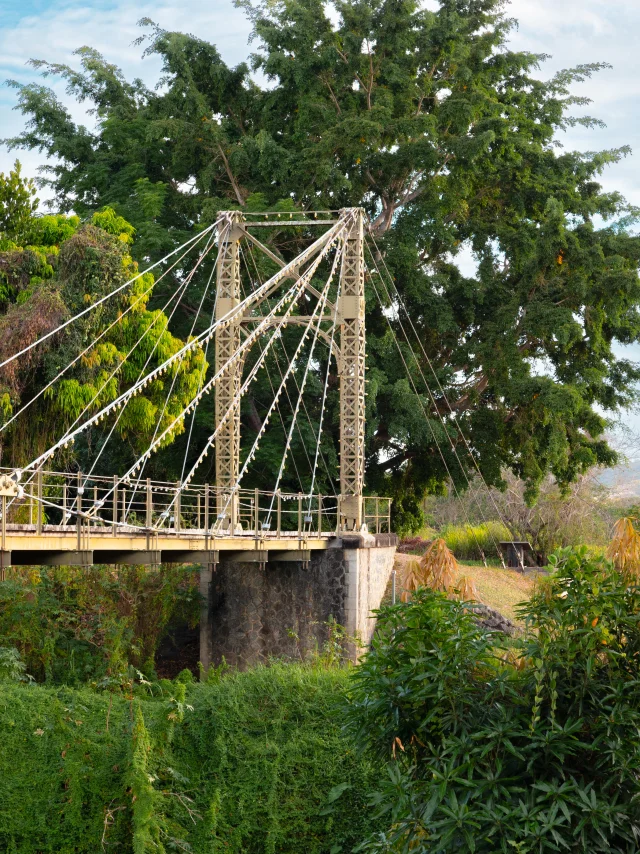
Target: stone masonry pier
[{"x": 252, "y": 613}]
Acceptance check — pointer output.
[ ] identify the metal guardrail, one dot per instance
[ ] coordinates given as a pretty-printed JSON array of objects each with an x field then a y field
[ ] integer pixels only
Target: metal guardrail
[{"x": 47, "y": 498}]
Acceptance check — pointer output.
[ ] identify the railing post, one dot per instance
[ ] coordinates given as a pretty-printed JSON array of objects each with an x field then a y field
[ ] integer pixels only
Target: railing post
[
  {"x": 256, "y": 511},
  {"x": 39, "y": 505},
  {"x": 279, "y": 514},
  {"x": 319, "y": 515},
  {"x": 64, "y": 502},
  {"x": 95, "y": 502},
  {"x": 78, "y": 512},
  {"x": 4, "y": 523},
  {"x": 124, "y": 505},
  {"x": 299, "y": 514},
  {"x": 114, "y": 524},
  {"x": 149, "y": 518},
  {"x": 206, "y": 507},
  {"x": 198, "y": 510},
  {"x": 377, "y": 514},
  {"x": 178, "y": 507}
]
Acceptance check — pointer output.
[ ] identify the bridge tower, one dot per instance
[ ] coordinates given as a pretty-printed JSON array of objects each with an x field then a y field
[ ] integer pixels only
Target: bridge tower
[
  {"x": 227, "y": 341},
  {"x": 350, "y": 356},
  {"x": 352, "y": 375}
]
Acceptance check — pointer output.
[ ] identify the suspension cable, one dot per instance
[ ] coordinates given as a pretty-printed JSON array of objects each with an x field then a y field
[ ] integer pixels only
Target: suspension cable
[
  {"x": 106, "y": 297},
  {"x": 330, "y": 477},
  {"x": 302, "y": 386},
  {"x": 437, "y": 379},
  {"x": 451, "y": 443},
  {"x": 233, "y": 314},
  {"x": 95, "y": 341},
  {"x": 270, "y": 381},
  {"x": 289, "y": 297},
  {"x": 177, "y": 296},
  {"x": 324, "y": 392},
  {"x": 178, "y": 293},
  {"x": 175, "y": 375},
  {"x": 427, "y": 419}
]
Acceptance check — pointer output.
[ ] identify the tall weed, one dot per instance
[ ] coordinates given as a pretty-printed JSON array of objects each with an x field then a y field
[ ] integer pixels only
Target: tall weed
[{"x": 471, "y": 542}]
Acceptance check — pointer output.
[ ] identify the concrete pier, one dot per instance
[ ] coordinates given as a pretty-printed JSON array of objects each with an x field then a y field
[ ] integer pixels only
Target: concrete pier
[{"x": 253, "y": 612}]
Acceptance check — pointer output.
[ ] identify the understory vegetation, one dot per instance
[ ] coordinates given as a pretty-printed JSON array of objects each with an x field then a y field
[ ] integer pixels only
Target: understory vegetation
[
  {"x": 72, "y": 624},
  {"x": 473, "y": 523},
  {"x": 251, "y": 763},
  {"x": 445, "y": 738},
  {"x": 531, "y": 747}
]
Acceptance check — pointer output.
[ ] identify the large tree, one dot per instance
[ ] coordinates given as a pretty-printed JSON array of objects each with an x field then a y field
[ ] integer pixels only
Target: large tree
[{"x": 449, "y": 140}]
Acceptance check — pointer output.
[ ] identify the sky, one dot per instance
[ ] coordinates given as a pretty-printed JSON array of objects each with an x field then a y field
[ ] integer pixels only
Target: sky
[{"x": 572, "y": 32}]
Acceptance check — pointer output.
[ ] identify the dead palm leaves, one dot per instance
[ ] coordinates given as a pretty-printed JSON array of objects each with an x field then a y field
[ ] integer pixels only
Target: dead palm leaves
[
  {"x": 438, "y": 569},
  {"x": 624, "y": 549}
]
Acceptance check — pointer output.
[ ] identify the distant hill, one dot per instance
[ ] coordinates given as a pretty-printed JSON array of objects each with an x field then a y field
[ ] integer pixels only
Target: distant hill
[{"x": 623, "y": 480}]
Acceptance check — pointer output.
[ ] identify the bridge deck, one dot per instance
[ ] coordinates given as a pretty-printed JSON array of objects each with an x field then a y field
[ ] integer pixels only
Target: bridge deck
[{"x": 66, "y": 544}]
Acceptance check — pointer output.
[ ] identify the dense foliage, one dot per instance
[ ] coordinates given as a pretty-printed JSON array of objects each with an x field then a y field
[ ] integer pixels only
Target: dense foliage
[
  {"x": 533, "y": 748},
  {"x": 52, "y": 267},
  {"x": 255, "y": 763},
  {"x": 73, "y": 625},
  {"x": 449, "y": 140}
]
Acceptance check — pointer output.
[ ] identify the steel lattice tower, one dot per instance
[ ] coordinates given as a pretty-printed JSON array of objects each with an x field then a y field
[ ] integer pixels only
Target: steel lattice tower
[
  {"x": 352, "y": 374},
  {"x": 227, "y": 341}
]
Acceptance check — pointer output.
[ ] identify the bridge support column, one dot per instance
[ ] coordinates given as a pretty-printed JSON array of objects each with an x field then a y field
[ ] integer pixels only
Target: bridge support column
[
  {"x": 227, "y": 396},
  {"x": 290, "y": 608},
  {"x": 352, "y": 377}
]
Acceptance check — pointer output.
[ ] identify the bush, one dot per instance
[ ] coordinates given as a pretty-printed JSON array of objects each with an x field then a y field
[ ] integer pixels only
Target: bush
[
  {"x": 469, "y": 542},
  {"x": 254, "y": 762},
  {"x": 75, "y": 624},
  {"x": 530, "y": 749}
]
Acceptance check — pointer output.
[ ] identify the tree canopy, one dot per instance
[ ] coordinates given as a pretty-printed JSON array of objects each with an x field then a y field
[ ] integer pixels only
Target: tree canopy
[
  {"x": 449, "y": 140},
  {"x": 60, "y": 266}
]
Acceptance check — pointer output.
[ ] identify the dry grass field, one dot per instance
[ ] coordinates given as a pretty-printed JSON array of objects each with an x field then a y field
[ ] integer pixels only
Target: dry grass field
[{"x": 498, "y": 588}]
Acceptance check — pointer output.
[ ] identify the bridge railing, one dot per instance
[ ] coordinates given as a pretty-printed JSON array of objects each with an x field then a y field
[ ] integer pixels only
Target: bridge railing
[{"x": 48, "y": 500}]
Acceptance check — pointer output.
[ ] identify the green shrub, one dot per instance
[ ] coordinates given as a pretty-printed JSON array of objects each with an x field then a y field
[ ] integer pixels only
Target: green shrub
[
  {"x": 76, "y": 624},
  {"x": 469, "y": 542},
  {"x": 531, "y": 749},
  {"x": 255, "y": 762}
]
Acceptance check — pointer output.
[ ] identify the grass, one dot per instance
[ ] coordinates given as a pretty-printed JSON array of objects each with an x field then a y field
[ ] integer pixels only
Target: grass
[{"x": 500, "y": 588}]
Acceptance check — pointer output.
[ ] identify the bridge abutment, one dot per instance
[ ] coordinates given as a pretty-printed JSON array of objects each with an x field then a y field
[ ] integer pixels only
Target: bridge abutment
[{"x": 251, "y": 614}]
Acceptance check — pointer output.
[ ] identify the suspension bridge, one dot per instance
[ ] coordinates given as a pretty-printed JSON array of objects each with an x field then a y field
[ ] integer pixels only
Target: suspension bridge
[
  {"x": 84, "y": 517},
  {"x": 208, "y": 516}
]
